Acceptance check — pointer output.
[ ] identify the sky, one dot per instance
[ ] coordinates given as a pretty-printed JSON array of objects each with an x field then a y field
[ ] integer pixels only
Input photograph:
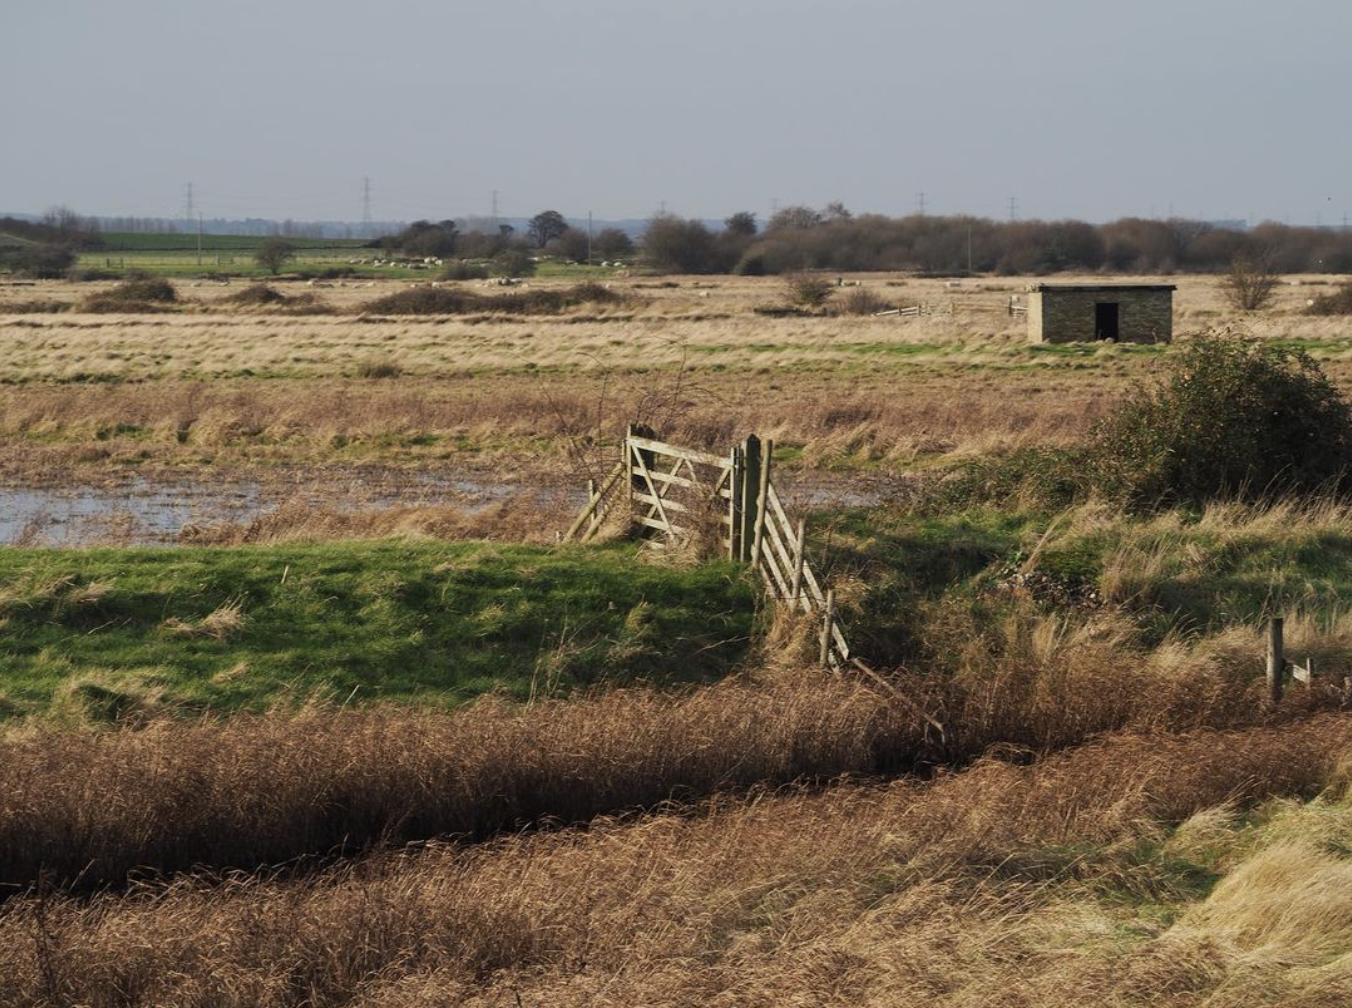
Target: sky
[{"x": 1074, "y": 108}]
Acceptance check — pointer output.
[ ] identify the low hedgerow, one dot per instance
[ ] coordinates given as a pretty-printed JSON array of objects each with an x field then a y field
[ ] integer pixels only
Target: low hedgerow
[{"x": 456, "y": 301}]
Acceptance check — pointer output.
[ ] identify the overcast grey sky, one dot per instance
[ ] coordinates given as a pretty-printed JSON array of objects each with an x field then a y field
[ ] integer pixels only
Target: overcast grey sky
[{"x": 1084, "y": 108}]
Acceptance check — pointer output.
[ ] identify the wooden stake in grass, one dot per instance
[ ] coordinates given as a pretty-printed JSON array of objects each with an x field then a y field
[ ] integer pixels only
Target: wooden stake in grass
[
  {"x": 828, "y": 620},
  {"x": 762, "y": 501},
  {"x": 1276, "y": 659}
]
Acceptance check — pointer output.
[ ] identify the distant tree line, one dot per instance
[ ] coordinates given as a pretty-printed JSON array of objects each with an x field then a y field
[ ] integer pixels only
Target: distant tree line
[
  {"x": 47, "y": 247},
  {"x": 800, "y": 238},
  {"x": 548, "y": 233}
]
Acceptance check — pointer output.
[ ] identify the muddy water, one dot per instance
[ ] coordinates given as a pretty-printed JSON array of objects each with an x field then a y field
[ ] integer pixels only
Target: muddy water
[
  {"x": 141, "y": 511},
  {"x": 145, "y": 511}
]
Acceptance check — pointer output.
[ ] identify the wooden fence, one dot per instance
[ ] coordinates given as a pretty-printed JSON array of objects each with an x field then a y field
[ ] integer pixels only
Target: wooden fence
[
  {"x": 673, "y": 491},
  {"x": 918, "y": 310}
]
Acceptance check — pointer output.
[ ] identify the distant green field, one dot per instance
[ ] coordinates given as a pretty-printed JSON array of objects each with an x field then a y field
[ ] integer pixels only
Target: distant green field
[
  {"x": 111, "y": 631},
  {"x": 118, "y": 241},
  {"x": 176, "y": 255}
]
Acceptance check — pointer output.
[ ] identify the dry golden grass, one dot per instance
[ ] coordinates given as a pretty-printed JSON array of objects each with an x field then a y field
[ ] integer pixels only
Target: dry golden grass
[
  {"x": 106, "y": 391},
  {"x": 61, "y": 433},
  {"x": 221, "y": 623},
  {"x": 998, "y": 885},
  {"x": 263, "y": 790}
]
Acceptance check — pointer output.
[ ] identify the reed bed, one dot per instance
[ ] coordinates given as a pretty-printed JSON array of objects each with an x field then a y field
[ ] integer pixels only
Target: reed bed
[
  {"x": 89, "y": 807},
  {"x": 1038, "y": 885}
]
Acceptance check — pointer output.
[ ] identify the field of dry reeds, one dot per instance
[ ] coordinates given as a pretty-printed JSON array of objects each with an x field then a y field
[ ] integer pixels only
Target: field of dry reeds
[
  {"x": 1064, "y": 787},
  {"x": 209, "y": 386},
  {"x": 89, "y": 807},
  {"x": 1121, "y": 872}
]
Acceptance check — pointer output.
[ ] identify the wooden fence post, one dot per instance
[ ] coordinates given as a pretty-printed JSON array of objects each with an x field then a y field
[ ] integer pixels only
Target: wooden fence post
[
  {"x": 752, "y": 463},
  {"x": 828, "y": 621},
  {"x": 762, "y": 503},
  {"x": 636, "y": 483},
  {"x": 735, "y": 506},
  {"x": 595, "y": 519},
  {"x": 1276, "y": 659}
]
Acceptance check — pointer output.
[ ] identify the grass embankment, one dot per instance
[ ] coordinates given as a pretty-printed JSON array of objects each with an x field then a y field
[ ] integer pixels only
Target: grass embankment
[
  {"x": 1139, "y": 870},
  {"x": 1191, "y": 584},
  {"x": 121, "y": 632},
  {"x": 1017, "y": 629}
]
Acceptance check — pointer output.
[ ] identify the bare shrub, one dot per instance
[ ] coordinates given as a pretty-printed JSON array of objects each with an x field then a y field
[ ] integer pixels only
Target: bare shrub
[
  {"x": 807, "y": 290},
  {"x": 1250, "y": 284},
  {"x": 861, "y": 301},
  {"x": 1337, "y": 303}
]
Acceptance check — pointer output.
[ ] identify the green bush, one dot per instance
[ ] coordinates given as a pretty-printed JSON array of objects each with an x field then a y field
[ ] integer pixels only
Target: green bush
[
  {"x": 512, "y": 262},
  {"x": 459, "y": 269},
  {"x": 41, "y": 260},
  {"x": 1231, "y": 419}
]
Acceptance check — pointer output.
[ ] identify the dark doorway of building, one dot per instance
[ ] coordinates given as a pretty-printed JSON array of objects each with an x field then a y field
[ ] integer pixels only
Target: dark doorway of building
[{"x": 1105, "y": 320}]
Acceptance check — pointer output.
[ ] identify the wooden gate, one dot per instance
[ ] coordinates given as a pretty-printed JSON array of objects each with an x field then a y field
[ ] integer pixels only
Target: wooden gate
[{"x": 671, "y": 490}]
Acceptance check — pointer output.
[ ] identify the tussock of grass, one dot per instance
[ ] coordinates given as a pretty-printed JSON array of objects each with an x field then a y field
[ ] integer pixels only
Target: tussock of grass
[
  {"x": 220, "y": 624},
  {"x": 263, "y": 296},
  {"x": 138, "y": 295}
]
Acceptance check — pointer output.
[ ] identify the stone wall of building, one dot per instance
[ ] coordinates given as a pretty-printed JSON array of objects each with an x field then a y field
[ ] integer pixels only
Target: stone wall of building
[{"x": 1068, "y": 315}]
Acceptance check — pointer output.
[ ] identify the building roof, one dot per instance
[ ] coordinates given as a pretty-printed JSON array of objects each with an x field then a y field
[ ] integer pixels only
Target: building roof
[{"x": 1072, "y": 287}]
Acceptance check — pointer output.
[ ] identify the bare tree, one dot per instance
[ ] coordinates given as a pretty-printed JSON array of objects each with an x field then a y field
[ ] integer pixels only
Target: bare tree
[
  {"x": 1250, "y": 284},
  {"x": 545, "y": 226},
  {"x": 274, "y": 253},
  {"x": 807, "y": 290}
]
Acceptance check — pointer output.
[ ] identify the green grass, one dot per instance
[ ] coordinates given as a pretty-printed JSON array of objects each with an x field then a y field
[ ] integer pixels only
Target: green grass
[
  {"x": 186, "y": 241},
  {"x": 112, "y": 630},
  {"x": 1170, "y": 573}
]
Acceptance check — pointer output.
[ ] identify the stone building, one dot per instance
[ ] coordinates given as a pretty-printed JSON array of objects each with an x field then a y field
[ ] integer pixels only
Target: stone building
[{"x": 1123, "y": 313}]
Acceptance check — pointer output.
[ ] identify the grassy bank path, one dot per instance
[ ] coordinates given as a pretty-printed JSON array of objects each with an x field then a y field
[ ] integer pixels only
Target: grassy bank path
[{"x": 111, "y": 632}]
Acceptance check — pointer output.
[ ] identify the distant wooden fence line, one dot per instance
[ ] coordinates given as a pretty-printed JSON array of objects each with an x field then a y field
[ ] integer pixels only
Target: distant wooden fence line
[
  {"x": 917, "y": 310},
  {"x": 673, "y": 490}
]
